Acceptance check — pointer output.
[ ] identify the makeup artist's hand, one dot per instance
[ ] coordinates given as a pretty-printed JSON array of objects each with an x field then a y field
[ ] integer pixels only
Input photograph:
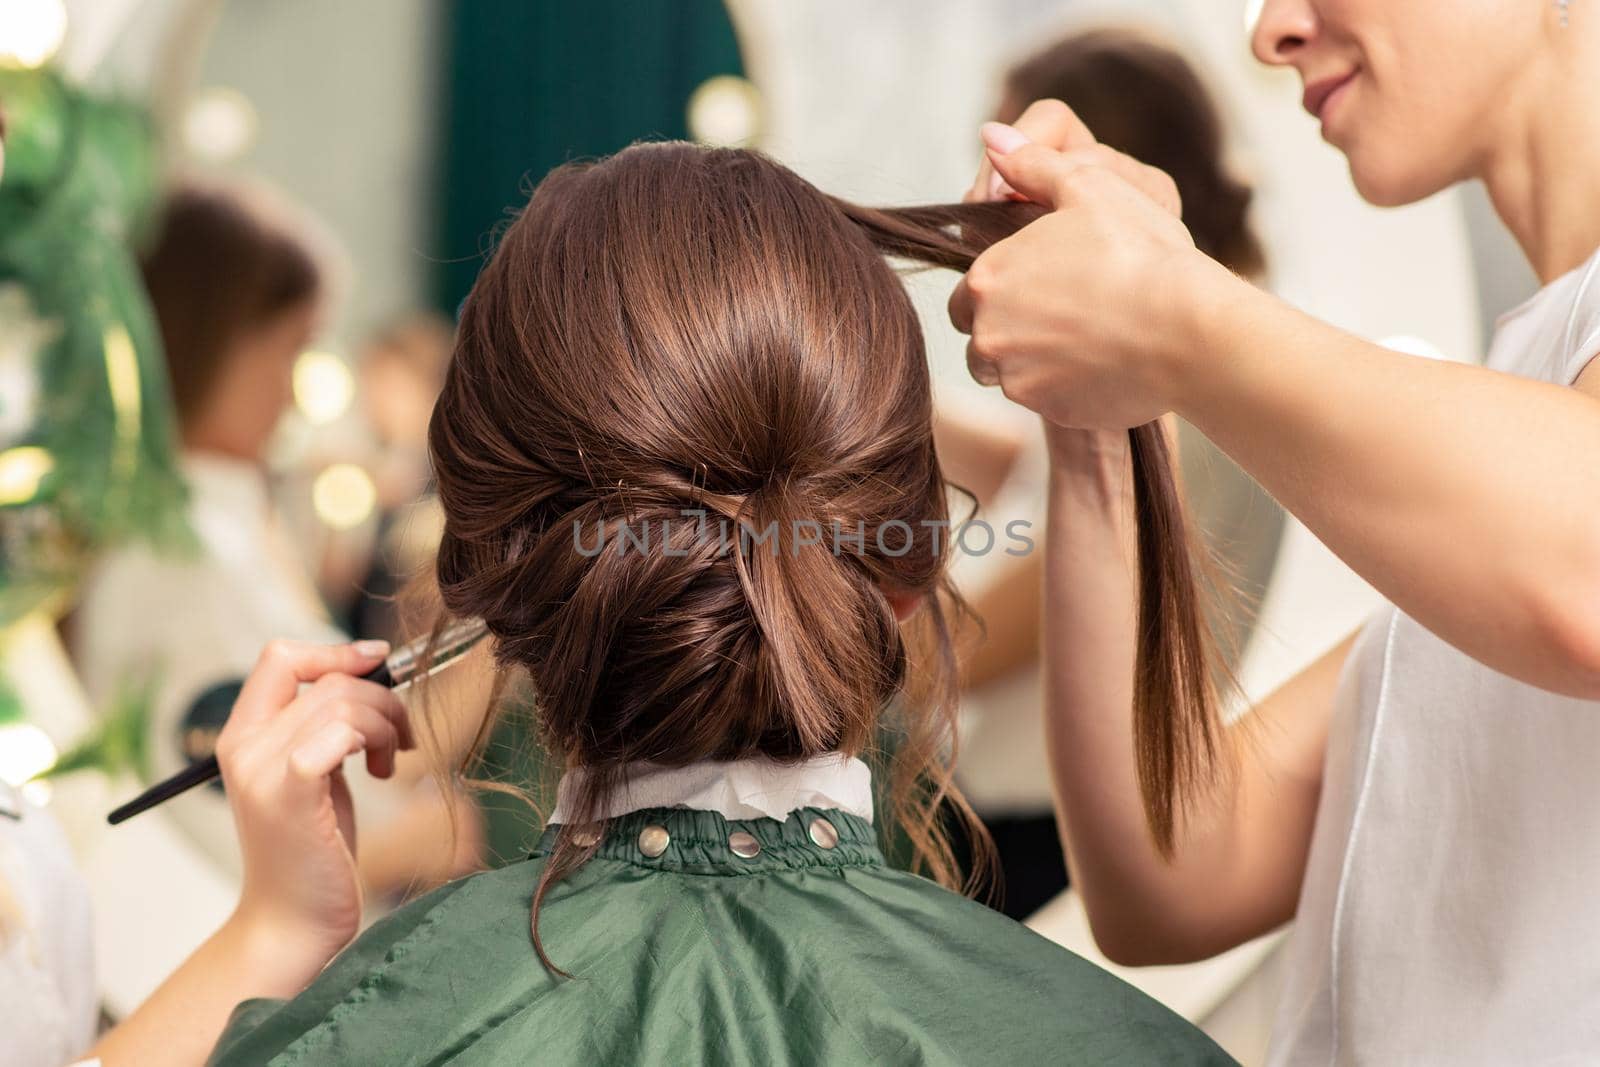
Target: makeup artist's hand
[
  {"x": 301, "y": 713},
  {"x": 1087, "y": 315},
  {"x": 301, "y": 903}
]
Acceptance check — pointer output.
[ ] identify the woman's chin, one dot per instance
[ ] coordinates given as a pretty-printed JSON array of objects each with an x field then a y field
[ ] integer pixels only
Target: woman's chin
[{"x": 1388, "y": 186}]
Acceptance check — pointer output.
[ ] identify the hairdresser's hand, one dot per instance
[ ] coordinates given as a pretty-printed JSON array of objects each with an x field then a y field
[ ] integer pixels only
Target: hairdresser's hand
[
  {"x": 1089, "y": 314},
  {"x": 301, "y": 713},
  {"x": 1053, "y": 124}
]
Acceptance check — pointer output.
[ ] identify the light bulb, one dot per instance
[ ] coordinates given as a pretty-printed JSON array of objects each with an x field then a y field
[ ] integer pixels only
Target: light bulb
[
  {"x": 344, "y": 496},
  {"x": 31, "y": 31},
  {"x": 323, "y": 386}
]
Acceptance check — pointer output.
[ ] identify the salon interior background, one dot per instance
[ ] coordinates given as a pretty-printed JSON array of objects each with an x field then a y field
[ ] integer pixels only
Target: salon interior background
[
  {"x": 409, "y": 126},
  {"x": 456, "y": 102},
  {"x": 412, "y": 125}
]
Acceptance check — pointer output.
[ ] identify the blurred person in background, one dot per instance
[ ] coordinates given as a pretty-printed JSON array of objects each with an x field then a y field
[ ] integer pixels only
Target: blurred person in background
[
  {"x": 238, "y": 290},
  {"x": 401, "y": 370},
  {"x": 238, "y": 294},
  {"x": 289, "y": 808},
  {"x": 1142, "y": 97}
]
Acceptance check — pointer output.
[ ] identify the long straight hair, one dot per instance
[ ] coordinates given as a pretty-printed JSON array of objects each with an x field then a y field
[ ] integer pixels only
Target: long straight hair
[
  {"x": 1177, "y": 732},
  {"x": 681, "y": 331}
]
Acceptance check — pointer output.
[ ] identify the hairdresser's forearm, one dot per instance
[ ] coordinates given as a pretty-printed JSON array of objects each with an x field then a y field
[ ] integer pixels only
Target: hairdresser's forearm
[
  {"x": 179, "y": 1024},
  {"x": 1142, "y": 908},
  {"x": 1467, "y": 497}
]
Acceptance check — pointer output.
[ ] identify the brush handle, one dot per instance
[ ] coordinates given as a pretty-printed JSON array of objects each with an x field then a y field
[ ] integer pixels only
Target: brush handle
[
  {"x": 164, "y": 790},
  {"x": 200, "y": 773}
]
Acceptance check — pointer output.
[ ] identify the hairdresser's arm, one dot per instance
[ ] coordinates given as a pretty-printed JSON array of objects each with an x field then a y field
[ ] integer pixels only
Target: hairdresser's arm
[
  {"x": 1009, "y": 609},
  {"x": 1434, "y": 481},
  {"x": 1239, "y": 860},
  {"x": 979, "y": 458},
  {"x": 975, "y": 456},
  {"x": 281, "y": 754},
  {"x": 1467, "y": 497}
]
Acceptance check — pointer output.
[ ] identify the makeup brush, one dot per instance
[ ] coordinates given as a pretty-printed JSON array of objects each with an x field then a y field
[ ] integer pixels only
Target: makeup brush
[{"x": 399, "y": 669}]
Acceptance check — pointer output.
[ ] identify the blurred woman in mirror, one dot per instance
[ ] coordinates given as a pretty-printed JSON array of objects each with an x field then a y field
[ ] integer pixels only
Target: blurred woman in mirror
[
  {"x": 238, "y": 293},
  {"x": 239, "y": 287}
]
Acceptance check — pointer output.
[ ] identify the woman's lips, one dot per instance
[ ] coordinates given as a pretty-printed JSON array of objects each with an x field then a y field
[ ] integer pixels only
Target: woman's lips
[{"x": 1319, "y": 94}]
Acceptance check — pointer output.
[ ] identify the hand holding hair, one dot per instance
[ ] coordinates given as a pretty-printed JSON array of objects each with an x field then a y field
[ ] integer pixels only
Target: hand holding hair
[
  {"x": 1116, "y": 474},
  {"x": 1087, "y": 315},
  {"x": 1053, "y": 124}
]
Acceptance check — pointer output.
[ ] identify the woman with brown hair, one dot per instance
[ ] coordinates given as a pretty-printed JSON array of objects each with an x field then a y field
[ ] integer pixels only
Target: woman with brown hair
[{"x": 685, "y": 455}]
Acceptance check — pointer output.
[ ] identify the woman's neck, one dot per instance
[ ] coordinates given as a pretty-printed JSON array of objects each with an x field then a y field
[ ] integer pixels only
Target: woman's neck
[{"x": 1543, "y": 167}]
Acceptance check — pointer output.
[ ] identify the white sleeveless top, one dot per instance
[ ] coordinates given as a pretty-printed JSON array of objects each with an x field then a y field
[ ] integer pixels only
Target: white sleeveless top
[{"x": 1451, "y": 905}]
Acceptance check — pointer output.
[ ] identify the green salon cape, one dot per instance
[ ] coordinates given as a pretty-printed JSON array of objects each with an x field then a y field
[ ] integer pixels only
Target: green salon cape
[{"x": 795, "y": 944}]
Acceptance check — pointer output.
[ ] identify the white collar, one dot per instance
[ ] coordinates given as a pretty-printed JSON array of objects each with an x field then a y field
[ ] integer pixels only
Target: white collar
[{"x": 751, "y": 788}]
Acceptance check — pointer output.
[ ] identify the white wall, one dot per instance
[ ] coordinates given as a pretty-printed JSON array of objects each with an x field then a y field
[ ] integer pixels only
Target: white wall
[{"x": 349, "y": 101}]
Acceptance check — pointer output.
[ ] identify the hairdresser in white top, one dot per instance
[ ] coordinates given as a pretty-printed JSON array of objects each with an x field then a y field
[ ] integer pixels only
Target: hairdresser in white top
[{"x": 1425, "y": 799}]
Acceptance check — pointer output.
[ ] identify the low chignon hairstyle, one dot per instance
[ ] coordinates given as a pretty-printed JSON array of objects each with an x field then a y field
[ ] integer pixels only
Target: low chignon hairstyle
[{"x": 679, "y": 329}]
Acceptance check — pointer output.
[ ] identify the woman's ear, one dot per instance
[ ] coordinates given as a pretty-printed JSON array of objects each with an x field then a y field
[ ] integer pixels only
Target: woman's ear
[{"x": 904, "y": 604}]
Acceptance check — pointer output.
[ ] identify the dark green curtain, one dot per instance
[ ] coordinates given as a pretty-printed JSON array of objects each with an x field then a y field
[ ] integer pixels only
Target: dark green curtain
[{"x": 533, "y": 83}]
